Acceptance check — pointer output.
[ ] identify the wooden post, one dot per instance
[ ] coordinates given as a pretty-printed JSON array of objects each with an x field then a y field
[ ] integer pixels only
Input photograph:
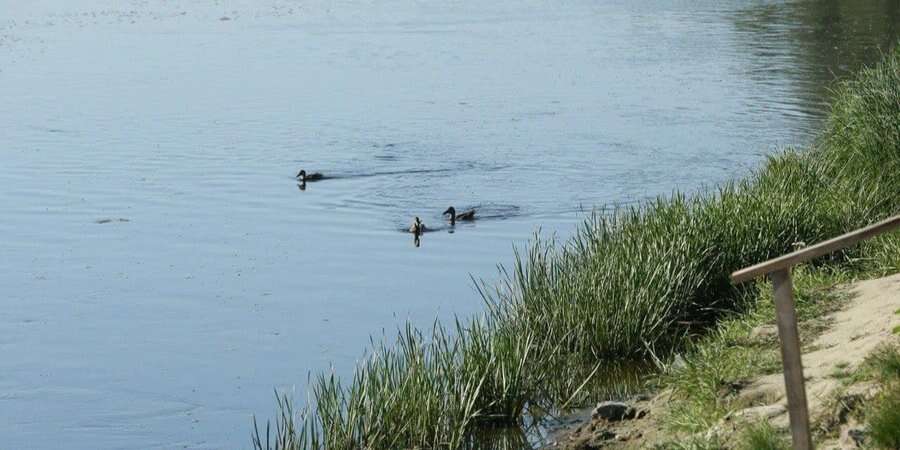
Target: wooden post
[
  {"x": 790, "y": 357},
  {"x": 779, "y": 270}
]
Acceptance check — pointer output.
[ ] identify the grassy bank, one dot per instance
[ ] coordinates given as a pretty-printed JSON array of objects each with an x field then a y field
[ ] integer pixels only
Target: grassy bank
[
  {"x": 706, "y": 395},
  {"x": 710, "y": 382},
  {"x": 631, "y": 286}
]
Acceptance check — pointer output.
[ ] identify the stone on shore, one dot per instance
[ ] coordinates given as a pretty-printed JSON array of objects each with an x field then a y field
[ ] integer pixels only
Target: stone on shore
[{"x": 613, "y": 411}]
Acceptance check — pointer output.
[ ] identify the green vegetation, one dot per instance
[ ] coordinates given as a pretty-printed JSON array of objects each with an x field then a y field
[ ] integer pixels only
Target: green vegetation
[
  {"x": 883, "y": 415},
  {"x": 884, "y": 419},
  {"x": 715, "y": 366},
  {"x": 883, "y": 254},
  {"x": 691, "y": 443},
  {"x": 762, "y": 436},
  {"x": 635, "y": 285},
  {"x": 884, "y": 363}
]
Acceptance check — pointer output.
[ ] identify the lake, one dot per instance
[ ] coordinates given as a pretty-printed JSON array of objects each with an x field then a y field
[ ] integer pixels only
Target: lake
[{"x": 162, "y": 273}]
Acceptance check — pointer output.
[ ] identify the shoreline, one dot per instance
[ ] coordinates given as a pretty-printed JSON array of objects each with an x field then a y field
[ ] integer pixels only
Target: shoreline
[
  {"x": 643, "y": 283},
  {"x": 840, "y": 343}
]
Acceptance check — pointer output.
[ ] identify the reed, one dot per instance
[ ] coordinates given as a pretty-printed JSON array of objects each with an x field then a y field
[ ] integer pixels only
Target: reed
[
  {"x": 883, "y": 413},
  {"x": 762, "y": 436},
  {"x": 631, "y": 285}
]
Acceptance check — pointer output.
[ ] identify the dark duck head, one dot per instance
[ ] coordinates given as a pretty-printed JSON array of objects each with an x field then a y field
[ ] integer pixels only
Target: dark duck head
[
  {"x": 467, "y": 215},
  {"x": 304, "y": 177}
]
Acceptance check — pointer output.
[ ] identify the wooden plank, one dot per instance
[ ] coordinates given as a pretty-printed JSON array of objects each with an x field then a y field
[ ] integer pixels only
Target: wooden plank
[
  {"x": 814, "y": 251},
  {"x": 791, "y": 359}
]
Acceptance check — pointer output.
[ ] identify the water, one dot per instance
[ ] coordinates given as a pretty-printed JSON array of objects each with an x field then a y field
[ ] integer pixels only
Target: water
[{"x": 162, "y": 273}]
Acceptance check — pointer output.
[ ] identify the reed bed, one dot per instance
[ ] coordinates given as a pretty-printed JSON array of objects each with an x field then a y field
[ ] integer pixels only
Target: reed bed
[{"x": 629, "y": 286}]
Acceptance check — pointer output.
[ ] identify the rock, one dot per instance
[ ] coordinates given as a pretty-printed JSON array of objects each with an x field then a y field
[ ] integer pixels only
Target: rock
[
  {"x": 613, "y": 411},
  {"x": 853, "y": 437},
  {"x": 858, "y": 436}
]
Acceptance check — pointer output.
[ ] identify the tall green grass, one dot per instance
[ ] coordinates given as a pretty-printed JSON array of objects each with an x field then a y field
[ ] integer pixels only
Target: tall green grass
[
  {"x": 631, "y": 285},
  {"x": 762, "y": 436},
  {"x": 883, "y": 413},
  {"x": 884, "y": 418}
]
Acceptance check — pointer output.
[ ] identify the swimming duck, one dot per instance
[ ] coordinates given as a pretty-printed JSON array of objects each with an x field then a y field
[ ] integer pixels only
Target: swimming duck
[
  {"x": 417, "y": 227},
  {"x": 465, "y": 215},
  {"x": 304, "y": 177}
]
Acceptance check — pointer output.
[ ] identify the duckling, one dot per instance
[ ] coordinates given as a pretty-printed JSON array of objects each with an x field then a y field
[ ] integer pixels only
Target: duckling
[
  {"x": 417, "y": 227},
  {"x": 465, "y": 215},
  {"x": 304, "y": 177}
]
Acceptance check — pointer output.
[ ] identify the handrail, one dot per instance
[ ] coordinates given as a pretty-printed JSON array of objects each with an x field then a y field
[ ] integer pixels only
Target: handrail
[
  {"x": 815, "y": 251},
  {"x": 778, "y": 270}
]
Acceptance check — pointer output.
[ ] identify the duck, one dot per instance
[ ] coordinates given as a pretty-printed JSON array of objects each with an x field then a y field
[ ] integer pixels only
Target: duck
[
  {"x": 465, "y": 215},
  {"x": 417, "y": 227},
  {"x": 304, "y": 177}
]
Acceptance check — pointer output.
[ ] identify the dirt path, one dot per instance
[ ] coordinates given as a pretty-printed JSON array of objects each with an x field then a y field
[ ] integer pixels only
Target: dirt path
[{"x": 854, "y": 333}]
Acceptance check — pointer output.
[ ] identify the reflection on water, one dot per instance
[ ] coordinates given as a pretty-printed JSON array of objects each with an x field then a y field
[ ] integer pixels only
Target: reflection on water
[
  {"x": 604, "y": 381},
  {"x": 811, "y": 44},
  {"x": 508, "y": 438},
  {"x": 171, "y": 329}
]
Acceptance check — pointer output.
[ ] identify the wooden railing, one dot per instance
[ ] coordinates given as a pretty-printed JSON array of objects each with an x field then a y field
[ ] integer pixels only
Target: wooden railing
[{"x": 778, "y": 270}]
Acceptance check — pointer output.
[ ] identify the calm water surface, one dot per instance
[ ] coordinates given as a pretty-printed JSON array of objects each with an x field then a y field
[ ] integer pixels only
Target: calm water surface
[{"x": 222, "y": 281}]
